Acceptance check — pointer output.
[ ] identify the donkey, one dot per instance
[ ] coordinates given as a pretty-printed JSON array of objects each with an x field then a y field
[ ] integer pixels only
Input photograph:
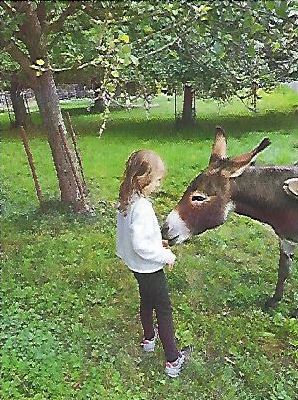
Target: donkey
[{"x": 268, "y": 194}]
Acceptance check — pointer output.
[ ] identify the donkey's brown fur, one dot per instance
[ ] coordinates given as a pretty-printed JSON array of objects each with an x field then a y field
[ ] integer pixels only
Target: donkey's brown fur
[
  {"x": 259, "y": 194},
  {"x": 267, "y": 194}
]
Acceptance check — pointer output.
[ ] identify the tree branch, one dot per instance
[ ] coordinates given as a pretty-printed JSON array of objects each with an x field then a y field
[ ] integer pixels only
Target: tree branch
[
  {"x": 7, "y": 7},
  {"x": 41, "y": 14},
  {"x": 30, "y": 29},
  {"x": 95, "y": 63},
  {"x": 57, "y": 25},
  {"x": 18, "y": 55},
  {"x": 78, "y": 66},
  {"x": 160, "y": 49}
]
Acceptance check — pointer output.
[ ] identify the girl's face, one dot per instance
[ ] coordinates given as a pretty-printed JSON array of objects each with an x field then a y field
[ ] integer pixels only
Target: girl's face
[{"x": 157, "y": 177}]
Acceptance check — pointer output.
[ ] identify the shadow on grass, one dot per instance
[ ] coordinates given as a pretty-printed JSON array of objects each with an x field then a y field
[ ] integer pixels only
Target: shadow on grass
[
  {"x": 204, "y": 127},
  {"x": 164, "y": 128},
  {"x": 54, "y": 217},
  {"x": 34, "y": 217}
]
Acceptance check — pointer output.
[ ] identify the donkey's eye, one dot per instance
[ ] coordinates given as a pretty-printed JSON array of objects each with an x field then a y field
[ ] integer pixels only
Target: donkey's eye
[{"x": 198, "y": 197}]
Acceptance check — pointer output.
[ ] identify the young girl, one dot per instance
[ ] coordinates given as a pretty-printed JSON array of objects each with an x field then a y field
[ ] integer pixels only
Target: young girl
[{"x": 140, "y": 246}]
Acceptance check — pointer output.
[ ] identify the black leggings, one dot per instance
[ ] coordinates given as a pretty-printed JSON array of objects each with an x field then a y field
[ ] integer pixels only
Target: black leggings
[{"x": 154, "y": 295}]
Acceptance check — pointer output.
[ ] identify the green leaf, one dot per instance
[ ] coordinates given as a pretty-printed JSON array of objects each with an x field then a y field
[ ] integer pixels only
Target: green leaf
[
  {"x": 218, "y": 48},
  {"x": 39, "y": 62},
  {"x": 124, "y": 38},
  {"x": 115, "y": 74},
  {"x": 251, "y": 51},
  {"x": 256, "y": 27},
  {"x": 147, "y": 29},
  {"x": 275, "y": 46},
  {"x": 281, "y": 9},
  {"x": 134, "y": 60},
  {"x": 111, "y": 87},
  {"x": 127, "y": 60},
  {"x": 126, "y": 49},
  {"x": 270, "y": 5}
]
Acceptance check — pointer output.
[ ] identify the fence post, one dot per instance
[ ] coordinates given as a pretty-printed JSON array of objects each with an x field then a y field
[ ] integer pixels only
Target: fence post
[
  {"x": 31, "y": 164},
  {"x": 74, "y": 141},
  {"x": 70, "y": 160}
]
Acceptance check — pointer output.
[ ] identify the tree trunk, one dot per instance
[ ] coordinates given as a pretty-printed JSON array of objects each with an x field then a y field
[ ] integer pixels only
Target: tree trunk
[
  {"x": 49, "y": 107},
  {"x": 98, "y": 106},
  {"x": 187, "y": 114},
  {"x": 18, "y": 105}
]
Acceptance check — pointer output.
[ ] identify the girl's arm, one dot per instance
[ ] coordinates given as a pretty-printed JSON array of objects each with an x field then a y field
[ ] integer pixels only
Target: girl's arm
[{"x": 144, "y": 237}]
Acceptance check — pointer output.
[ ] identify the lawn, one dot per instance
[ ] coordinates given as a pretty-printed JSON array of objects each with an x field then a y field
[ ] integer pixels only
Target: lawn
[{"x": 69, "y": 324}]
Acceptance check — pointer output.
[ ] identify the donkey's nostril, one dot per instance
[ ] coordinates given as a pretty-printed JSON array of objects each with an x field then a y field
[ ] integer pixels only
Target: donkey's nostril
[{"x": 165, "y": 231}]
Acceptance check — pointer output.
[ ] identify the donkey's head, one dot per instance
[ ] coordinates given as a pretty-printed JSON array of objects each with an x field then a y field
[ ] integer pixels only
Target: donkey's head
[{"x": 207, "y": 201}]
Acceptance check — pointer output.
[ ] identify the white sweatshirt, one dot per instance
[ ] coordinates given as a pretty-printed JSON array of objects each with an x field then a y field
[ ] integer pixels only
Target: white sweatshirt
[{"x": 139, "y": 242}]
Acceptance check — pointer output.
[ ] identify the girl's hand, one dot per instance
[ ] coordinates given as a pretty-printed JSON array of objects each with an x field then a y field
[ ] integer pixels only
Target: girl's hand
[
  {"x": 165, "y": 244},
  {"x": 170, "y": 266},
  {"x": 171, "y": 260}
]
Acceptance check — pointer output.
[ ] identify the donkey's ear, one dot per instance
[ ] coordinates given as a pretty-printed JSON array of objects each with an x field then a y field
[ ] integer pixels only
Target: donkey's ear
[
  {"x": 236, "y": 166},
  {"x": 219, "y": 147}
]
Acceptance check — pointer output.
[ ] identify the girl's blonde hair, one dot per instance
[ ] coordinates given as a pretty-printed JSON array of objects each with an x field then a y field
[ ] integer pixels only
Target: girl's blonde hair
[{"x": 140, "y": 168}]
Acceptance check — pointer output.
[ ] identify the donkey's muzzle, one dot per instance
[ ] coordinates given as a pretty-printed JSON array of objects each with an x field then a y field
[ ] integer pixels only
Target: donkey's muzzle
[{"x": 165, "y": 234}]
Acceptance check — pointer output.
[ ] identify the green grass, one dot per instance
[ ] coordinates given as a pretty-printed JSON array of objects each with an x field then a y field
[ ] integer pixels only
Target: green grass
[{"x": 69, "y": 324}]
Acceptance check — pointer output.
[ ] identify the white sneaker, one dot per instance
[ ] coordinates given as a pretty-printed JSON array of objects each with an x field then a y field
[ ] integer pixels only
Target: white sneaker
[
  {"x": 174, "y": 368},
  {"x": 149, "y": 345}
]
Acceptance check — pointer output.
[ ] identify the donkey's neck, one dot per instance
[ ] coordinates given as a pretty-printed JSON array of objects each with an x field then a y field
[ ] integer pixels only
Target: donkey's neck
[
  {"x": 258, "y": 193},
  {"x": 263, "y": 187}
]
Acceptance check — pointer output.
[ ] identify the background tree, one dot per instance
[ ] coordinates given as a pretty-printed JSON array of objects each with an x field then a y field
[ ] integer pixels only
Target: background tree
[
  {"x": 27, "y": 36},
  {"x": 12, "y": 81},
  {"x": 218, "y": 48}
]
